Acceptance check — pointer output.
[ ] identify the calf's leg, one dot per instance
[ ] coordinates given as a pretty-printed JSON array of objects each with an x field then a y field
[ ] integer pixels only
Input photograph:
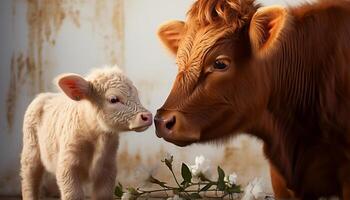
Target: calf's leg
[
  {"x": 105, "y": 170},
  {"x": 103, "y": 184},
  {"x": 68, "y": 177},
  {"x": 31, "y": 166}
]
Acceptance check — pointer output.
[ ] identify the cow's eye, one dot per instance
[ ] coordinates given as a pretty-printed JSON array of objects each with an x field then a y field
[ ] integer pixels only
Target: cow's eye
[
  {"x": 221, "y": 63},
  {"x": 114, "y": 100}
]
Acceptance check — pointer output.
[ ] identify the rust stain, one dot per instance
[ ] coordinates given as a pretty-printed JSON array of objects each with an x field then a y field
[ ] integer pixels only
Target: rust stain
[
  {"x": 13, "y": 8},
  {"x": 118, "y": 25},
  {"x": 99, "y": 7},
  {"x": 118, "y": 19},
  {"x": 11, "y": 95},
  {"x": 109, "y": 17},
  {"x": 19, "y": 70},
  {"x": 75, "y": 16},
  {"x": 44, "y": 19}
]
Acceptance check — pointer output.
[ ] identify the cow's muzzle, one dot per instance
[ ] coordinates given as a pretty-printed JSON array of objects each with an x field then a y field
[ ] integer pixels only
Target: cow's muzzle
[
  {"x": 173, "y": 127},
  {"x": 164, "y": 124}
]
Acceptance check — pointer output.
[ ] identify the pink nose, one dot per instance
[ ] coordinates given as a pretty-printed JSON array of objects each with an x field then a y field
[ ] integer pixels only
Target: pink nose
[{"x": 145, "y": 118}]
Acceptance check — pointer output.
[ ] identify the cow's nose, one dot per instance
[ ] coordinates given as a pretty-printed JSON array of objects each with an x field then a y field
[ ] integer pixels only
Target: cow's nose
[{"x": 164, "y": 124}]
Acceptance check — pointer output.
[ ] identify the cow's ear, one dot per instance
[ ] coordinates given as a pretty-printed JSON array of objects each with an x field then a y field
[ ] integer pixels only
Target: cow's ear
[
  {"x": 267, "y": 27},
  {"x": 74, "y": 86},
  {"x": 170, "y": 33}
]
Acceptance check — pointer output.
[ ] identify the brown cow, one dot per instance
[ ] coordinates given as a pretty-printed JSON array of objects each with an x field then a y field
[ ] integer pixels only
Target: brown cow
[{"x": 280, "y": 74}]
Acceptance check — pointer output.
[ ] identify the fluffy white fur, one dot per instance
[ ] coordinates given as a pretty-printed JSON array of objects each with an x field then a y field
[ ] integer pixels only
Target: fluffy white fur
[{"x": 74, "y": 134}]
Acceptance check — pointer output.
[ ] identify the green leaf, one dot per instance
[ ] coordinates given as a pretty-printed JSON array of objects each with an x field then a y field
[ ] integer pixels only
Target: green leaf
[
  {"x": 207, "y": 187},
  {"x": 186, "y": 173},
  {"x": 221, "y": 182},
  {"x": 118, "y": 191},
  {"x": 169, "y": 162},
  {"x": 195, "y": 196}
]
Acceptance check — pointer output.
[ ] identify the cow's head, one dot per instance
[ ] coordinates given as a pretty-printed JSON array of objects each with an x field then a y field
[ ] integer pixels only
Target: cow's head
[{"x": 220, "y": 88}]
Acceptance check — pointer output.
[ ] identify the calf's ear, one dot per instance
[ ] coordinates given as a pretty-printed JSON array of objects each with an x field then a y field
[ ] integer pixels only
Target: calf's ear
[
  {"x": 170, "y": 34},
  {"x": 267, "y": 27},
  {"x": 74, "y": 86}
]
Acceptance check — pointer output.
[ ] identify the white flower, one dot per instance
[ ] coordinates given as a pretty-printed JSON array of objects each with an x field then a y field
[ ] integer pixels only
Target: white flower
[
  {"x": 253, "y": 191},
  {"x": 168, "y": 156},
  {"x": 128, "y": 196},
  {"x": 201, "y": 166},
  {"x": 175, "y": 197},
  {"x": 231, "y": 179}
]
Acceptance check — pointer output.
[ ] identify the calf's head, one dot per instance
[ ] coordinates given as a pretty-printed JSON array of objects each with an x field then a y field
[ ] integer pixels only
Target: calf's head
[
  {"x": 109, "y": 97},
  {"x": 221, "y": 85}
]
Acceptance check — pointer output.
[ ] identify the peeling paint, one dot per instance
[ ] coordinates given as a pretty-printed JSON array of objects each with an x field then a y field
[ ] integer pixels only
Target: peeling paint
[
  {"x": 99, "y": 7},
  {"x": 118, "y": 25},
  {"x": 21, "y": 68},
  {"x": 44, "y": 19},
  {"x": 75, "y": 17},
  {"x": 114, "y": 39},
  {"x": 118, "y": 19}
]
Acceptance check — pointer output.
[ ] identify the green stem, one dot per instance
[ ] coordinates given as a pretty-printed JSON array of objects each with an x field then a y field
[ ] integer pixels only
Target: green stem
[
  {"x": 178, "y": 184},
  {"x": 175, "y": 179}
]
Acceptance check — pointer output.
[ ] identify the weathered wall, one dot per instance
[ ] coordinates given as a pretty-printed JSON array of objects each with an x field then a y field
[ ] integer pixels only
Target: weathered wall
[{"x": 42, "y": 38}]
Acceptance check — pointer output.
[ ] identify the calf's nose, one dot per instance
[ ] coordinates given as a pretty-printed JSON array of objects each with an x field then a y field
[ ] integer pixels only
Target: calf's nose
[
  {"x": 164, "y": 124},
  {"x": 145, "y": 118}
]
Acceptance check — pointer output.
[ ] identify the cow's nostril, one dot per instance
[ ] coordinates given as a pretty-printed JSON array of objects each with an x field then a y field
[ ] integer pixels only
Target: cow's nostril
[{"x": 170, "y": 124}]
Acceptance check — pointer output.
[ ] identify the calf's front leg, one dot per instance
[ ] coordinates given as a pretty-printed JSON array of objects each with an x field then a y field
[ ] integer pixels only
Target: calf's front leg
[
  {"x": 104, "y": 171},
  {"x": 68, "y": 178},
  {"x": 103, "y": 183}
]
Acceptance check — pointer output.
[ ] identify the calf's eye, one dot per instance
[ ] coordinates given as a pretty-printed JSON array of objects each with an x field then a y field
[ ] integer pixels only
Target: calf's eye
[{"x": 114, "y": 100}]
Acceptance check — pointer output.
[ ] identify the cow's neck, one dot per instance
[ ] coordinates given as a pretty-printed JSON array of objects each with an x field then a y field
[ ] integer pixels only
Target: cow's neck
[
  {"x": 284, "y": 142},
  {"x": 309, "y": 89},
  {"x": 290, "y": 122}
]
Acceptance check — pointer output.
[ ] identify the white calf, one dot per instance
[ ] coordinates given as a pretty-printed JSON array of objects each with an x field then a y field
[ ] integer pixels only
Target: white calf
[{"x": 74, "y": 134}]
